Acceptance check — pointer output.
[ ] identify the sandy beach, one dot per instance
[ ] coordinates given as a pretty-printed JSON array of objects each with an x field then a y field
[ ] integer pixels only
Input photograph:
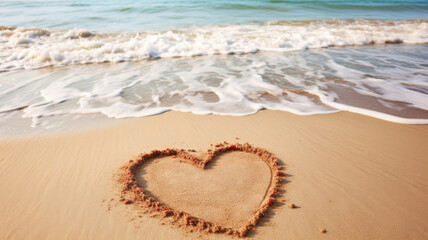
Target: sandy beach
[
  {"x": 355, "y": 176},
  {"x": 217, "y": 119}
]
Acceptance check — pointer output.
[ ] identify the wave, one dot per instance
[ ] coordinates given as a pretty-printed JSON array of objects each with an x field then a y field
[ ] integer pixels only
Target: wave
[
  {"x": 30, "y": 48},
  {"x": 386, "y": 82}
]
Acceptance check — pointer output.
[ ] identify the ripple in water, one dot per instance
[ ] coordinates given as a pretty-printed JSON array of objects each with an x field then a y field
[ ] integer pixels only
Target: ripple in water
[{"x": 387, "y": 82}]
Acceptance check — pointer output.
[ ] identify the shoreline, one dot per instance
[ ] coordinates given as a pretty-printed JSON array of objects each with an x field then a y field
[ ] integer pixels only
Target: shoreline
[{"x": 356, "y": 176}]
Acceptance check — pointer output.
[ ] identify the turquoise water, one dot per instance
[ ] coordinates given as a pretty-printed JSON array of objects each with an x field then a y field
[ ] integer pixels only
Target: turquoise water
[
  {"x": 121, "y": 59},
  {"x": 125, "y": 15}
]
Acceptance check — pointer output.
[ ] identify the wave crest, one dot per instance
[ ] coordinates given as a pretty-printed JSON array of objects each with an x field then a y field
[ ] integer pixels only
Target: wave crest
[{"x": 28, "y": 48}]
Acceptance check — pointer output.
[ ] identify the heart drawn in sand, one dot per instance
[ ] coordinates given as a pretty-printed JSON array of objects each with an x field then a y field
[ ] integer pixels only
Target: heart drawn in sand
[{"x": 133, "y": 192}]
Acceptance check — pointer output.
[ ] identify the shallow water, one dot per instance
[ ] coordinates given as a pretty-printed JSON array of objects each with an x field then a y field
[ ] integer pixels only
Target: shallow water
[
  {"x": 127, "y": 15},
  {"x": 26, "y": 48},
  {"x": 388, "y": 82},
  {"x": 62, "y": 59}
]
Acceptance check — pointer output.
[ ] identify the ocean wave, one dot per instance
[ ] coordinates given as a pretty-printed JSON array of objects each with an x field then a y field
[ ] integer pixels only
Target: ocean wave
[
  {"x": 386, "y": 82},
  {"x": 29, "y": 48}
]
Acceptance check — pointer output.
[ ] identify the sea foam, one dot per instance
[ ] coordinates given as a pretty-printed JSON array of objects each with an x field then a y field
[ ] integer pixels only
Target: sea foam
[
  {"x": 386, "y": 82},
  {"x": 29, "y": 48}
]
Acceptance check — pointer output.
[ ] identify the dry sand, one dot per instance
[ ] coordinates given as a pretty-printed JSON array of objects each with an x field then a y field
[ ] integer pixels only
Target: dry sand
[
  {"x": 226, "y": 193},
  {"x": 355, "y": 176}
]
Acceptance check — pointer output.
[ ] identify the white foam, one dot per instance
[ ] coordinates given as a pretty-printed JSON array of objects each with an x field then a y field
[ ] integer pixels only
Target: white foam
[
  {"x": 330, "y": 101},
  {"x": 35, "y": 48},
  {"x": 391, "y": 80}
]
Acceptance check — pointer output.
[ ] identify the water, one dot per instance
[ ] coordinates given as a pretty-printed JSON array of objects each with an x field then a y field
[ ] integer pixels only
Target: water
[
  {"x": 33, "y": 48},
  {"x": 65, "y": 59},
  {"x": 126, "y": 15}
]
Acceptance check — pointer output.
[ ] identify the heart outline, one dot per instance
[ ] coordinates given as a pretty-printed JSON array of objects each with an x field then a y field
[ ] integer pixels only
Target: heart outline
[{"x": 131, "y": 187}]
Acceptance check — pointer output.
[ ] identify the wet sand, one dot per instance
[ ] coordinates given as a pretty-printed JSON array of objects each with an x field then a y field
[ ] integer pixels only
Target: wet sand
[{"x": 355, "y": 176}]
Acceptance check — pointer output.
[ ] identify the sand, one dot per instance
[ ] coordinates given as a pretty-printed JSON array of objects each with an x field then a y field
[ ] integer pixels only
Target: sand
[
  {"x": 225, "y": 193},
  {"x": 355, "y": 176}
]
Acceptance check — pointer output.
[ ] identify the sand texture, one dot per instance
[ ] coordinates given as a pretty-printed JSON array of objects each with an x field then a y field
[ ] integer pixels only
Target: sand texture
[
  {"x": 354, "y": 176},
  {"x": 226, "y": 193},
  {"x": 229, "y": 200}
]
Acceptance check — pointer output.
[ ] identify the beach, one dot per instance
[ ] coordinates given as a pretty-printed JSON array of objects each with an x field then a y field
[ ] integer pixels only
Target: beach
[
  {"x": 258, "y": 119},
  {"x": 355, "y": 176}
]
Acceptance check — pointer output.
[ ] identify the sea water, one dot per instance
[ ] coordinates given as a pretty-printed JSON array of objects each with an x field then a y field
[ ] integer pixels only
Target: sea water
[{"x": 126, "y": 59}]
